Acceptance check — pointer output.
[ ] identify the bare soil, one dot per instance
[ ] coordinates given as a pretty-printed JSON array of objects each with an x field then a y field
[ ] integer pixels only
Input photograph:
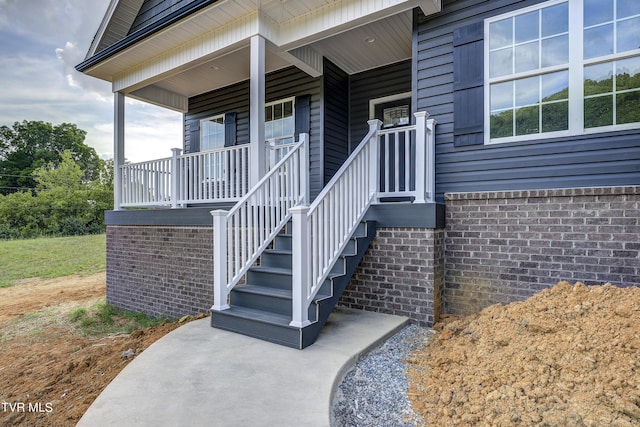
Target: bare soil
[
  {"x": 49, "y": 373},
  {"x": 567, "y": 356}
]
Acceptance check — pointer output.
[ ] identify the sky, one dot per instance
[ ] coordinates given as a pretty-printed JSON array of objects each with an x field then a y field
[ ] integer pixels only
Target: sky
[{"x": 41, "y": 41}]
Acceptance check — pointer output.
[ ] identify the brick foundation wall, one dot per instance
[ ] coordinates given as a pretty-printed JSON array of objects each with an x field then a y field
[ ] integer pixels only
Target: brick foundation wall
[
  {"x": 402, "y": 273},
  {"x": 160, "y": 270},
  {"x": 505, "y": 246}
]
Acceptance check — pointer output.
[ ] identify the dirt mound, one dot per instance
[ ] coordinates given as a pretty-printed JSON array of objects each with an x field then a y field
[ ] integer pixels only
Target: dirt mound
[{"x": 568, "y": 356}]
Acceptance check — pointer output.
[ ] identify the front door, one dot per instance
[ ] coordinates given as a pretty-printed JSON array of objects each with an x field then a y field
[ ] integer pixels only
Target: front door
[{"x": 397, "y": 149}]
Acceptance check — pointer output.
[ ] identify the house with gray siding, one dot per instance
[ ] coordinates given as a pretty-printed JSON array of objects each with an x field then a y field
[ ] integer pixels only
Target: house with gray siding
[{"x": 409, "y": 157}]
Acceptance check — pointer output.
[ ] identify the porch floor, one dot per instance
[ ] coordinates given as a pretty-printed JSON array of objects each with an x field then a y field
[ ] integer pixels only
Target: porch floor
[{"x": 197, "y": 375}]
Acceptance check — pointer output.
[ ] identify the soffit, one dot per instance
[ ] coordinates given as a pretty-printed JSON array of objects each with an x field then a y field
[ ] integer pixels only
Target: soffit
[
  {"x": 230, "y": 23},
  {"x": 350, "y": 50}
]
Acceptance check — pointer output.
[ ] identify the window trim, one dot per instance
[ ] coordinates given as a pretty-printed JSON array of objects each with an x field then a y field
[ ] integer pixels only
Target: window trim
[
  {"x": 575, "y": 67},
  {"x": 207, "y": 119},
  {"x": 384, "y": 99}
]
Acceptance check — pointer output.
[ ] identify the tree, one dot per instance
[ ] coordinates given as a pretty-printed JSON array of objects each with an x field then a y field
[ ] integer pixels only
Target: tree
[{"x": 29, "y": 145}]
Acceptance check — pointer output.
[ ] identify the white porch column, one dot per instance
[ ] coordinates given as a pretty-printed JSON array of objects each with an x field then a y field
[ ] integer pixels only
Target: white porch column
[
  {"x": 118, "y": 148},
  {"x": 256, "y": 110}
]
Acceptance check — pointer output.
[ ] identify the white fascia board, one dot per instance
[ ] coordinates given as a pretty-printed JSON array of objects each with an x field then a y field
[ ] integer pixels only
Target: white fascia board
[
  {"x": 161, "y": 97},
  {"x": 113, "y": 4},
  {"x": 342, "y": 15}
]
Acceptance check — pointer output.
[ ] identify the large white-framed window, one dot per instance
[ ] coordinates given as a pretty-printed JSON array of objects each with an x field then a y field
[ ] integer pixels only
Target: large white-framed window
[
  {"x": 563, "y": 67},
  {"x": 212, "y": 133}
]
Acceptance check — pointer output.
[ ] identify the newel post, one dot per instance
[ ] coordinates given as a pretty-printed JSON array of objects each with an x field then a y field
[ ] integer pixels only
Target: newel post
[
  {"x": 175, "y": 177},
  {"x": 301, "y": 277},
  {"x": 304, "y": 168},
  {"x": 220, "y": 293},
  {"x": 431, "y": 160},
  {"x": 374, "y": 156},
  {"x": 421, "y": 156}
]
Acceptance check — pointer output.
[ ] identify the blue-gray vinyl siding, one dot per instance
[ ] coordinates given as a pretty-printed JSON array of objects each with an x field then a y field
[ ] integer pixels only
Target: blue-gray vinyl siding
[
  {"x": 603, "y": 159},
  {"x": 336, "y": 118},
  {"x": 289, "y": 82},
  {"x": 153, "y": 11},
  {"x": 377, "y": 83}
]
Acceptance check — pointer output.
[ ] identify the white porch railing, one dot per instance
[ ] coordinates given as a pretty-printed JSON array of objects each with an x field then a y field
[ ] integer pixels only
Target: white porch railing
[
  {"x": 146, "y": 183},
  {"x": 276, "y": 149},
  {"x": 321, "y": 231},
  {"x": 218, "y": 175},
  {"x": 241, "y": 234}
]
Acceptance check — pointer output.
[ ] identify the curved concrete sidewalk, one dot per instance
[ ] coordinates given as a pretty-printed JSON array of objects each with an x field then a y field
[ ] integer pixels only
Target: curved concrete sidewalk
[{"x": 200, "y": 376}]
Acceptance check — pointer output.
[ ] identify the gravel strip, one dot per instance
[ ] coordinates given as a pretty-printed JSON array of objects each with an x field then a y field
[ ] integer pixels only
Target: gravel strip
[{"x": 374, "y": 391}]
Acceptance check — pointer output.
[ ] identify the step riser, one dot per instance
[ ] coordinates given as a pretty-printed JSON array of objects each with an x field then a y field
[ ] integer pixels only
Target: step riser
[
  {"x": 271, "y": 280},
  {"x": 276, "y": 260},
  {"x": 283, "y": 242},
  {"x": 262, "y": 302},
  {"x": 289, "y": 337}
]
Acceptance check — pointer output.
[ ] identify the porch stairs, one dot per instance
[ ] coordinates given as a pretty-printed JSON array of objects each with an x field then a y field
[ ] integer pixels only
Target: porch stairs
[
  {"x": 280, "y": 285},
  {"x": 262, "y": 306}
]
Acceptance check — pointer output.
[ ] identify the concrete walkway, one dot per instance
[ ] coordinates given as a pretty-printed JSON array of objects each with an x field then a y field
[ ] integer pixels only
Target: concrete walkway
[{"x": 200, "y": 376}]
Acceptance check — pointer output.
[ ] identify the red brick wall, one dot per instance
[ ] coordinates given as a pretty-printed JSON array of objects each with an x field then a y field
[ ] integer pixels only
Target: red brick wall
[
  {"x": 505, "y": 246},
  {"x": 160, "y": 270},
  {"x": 402, "y": 273}
]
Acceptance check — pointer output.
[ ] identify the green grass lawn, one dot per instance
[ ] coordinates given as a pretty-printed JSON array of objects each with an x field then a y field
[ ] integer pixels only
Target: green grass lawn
[{"x": 51, "y": 257}]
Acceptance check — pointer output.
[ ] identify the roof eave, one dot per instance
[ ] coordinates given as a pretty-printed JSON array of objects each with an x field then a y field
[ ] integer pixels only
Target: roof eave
[{"x": 143, "y": 33}]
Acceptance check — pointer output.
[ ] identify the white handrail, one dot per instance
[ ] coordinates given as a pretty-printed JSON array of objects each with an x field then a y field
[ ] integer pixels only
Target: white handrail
[
  {"x": 242, "y": 234},
  {"x": 276, "y": 149},
  {"x": 322, "y": 230}
]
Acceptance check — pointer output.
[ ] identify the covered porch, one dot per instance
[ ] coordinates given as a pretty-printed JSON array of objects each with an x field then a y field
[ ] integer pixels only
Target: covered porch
[{"x": 211, "y": 45}]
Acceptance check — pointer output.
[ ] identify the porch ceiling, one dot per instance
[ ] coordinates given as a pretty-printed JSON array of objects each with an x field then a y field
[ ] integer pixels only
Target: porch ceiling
[
  {"x": 360, "y": 49},
  {"x": 208, "y": 49}
]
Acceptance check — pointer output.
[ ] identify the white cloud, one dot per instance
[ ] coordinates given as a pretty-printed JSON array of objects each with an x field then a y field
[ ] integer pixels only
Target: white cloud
[{"x": 42, "y": 44}]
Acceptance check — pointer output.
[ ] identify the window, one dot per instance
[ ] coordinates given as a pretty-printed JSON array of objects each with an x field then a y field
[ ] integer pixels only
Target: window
[
  {"x": 212, "y": 133},
  {"x": 392, "y": 111},
  {"x": 279, "y": 122},
  {"x": 562, "y": 68},
  {"x": 279, "y": 129}
]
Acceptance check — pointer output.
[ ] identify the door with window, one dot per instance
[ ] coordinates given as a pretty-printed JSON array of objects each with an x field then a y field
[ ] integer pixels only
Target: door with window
[{"x": 397, "y": 148}]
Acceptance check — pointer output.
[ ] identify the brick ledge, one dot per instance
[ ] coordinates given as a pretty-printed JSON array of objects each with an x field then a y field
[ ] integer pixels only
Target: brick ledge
[{"x": 543, "y": 193}]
